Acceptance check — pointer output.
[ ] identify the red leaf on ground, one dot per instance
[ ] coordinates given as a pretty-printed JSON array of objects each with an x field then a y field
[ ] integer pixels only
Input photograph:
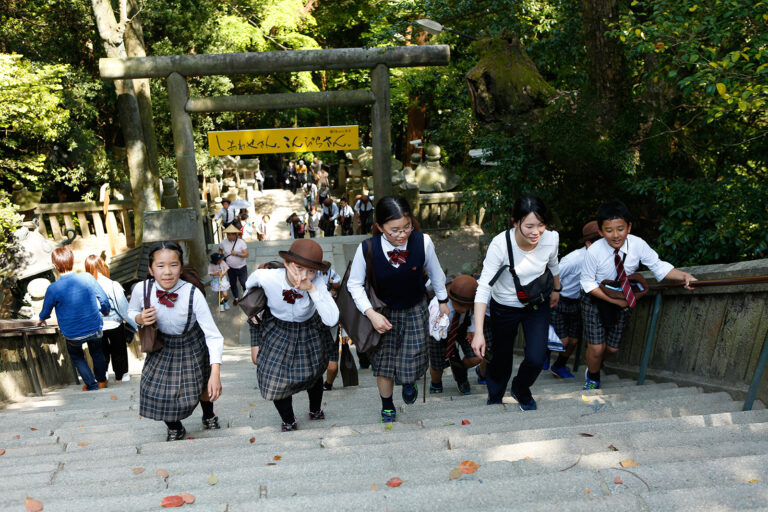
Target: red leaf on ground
[
  {"x": 113, "y": 397},
  {"x": 138, "y": 471},
  {"x": 252, "y": 440},
  {"x": 276, "y": 457},
  {"x": 468, "y": 467},
  {"x": 32, "y": 428},
  {"x": 33, "y": 505},
  {"x": 584, "y": 434},
  {"x": 374, "y": 487},
  {"x": 16, "y": 437},
  {"x": 394, "y": 482},
  {"x": 172, "y": 501},
  {"x": 618, "y": 480},
  {"x": 162, "y": 473},
  {"x": 80, "y": 426},
  {"x": 587, "y": 491},
  {"x": 465, "y": 422},
  {"x": 2, "y": 452},
  {"x": 271, "y": 463},
  {"x": 190, "y": 437},
  {"x": 83, "y": 443},
  {"x": 133, "y": 389},
  {"x": 188, "y": 498}
]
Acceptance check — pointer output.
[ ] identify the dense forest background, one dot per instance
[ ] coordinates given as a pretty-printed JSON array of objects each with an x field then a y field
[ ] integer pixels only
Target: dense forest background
[{"x": 661, "y": 103}]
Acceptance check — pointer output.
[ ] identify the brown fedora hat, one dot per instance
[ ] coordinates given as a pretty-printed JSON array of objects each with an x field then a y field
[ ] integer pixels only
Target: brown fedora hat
[
  {"x": 589, "y": 232},
  {"x": 462, "y": 289},
  {"x": 306, "y": 253}
]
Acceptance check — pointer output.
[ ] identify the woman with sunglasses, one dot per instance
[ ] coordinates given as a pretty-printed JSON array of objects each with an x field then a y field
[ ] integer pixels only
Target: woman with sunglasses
[{"x": 401, "y": 255}]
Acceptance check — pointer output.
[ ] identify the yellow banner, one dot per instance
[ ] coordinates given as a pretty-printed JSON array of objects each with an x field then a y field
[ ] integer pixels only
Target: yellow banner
[{"x": 283, "y": 140}]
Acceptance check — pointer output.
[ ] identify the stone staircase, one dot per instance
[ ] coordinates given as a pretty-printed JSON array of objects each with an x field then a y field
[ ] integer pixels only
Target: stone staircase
[{"x": 77, "y": 451}]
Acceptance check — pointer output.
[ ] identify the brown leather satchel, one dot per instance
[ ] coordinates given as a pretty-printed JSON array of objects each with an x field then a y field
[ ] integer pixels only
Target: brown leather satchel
[
  {"x": 148, "y": 333},
  {"x": 358, "y": 326},
  {"x": 255, "y": 300},
  {"x": 636, "y": 281}
]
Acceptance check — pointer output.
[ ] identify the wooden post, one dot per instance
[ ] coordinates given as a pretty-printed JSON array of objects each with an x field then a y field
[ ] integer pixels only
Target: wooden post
[
  {"x": 380, "y": 124},
  {"x": 85, "y": 231},
  {"x": 184, "y": 146}
]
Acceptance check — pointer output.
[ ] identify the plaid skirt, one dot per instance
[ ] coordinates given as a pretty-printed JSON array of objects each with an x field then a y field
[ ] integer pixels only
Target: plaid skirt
[
  {"x": 292, "y": 355},
  {"x": 566, "y": 318},
  {"x": 402, "y": 351},
  {"x": 255, "y": 330},
  {"x": 174, "y": 377},
  {"x": 595, "y": 331},
  {"x": 437, "y": 348}
]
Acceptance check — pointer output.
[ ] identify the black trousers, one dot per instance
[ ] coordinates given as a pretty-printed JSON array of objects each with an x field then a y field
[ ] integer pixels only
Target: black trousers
[
  {"x": 114, "y": 348},
  {"x": 504, "y": 323},
  {"x": 366, "y": 222},
  {"x": 346, "y": 226},
  {"x": 235, "y": 275},
  {"x": 330, "y": 226}
]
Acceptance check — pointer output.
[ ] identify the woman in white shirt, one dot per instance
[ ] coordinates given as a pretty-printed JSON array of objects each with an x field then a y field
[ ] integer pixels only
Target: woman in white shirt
[
  {"x": 115, "y": 333},
  {"x": 186, "y": 371},
  {"x": 535, "y": 251},
  {"x": 293, "y": 344}
]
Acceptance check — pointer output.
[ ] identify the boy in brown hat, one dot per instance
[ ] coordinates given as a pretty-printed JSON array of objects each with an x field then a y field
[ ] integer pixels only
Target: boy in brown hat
[
  {"x": 295, "y": 344},
  {"x": 566, "y": 317},
  {"x": 447, "y": 334}
]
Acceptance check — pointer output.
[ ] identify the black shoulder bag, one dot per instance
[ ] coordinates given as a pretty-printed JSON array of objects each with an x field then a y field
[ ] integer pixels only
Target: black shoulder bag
[{"x": 536, "y": 292}]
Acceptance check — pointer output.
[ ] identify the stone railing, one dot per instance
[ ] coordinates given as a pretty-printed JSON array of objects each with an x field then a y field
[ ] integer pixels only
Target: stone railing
[
  {"x": 711, "y": 336},
  {"x": 86, "y": 218},
  {"x": 443, "y": 210}
]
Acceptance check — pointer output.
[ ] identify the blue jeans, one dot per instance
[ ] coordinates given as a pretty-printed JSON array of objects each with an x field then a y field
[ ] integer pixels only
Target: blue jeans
[
  {"x": 504, "y": 323},
  {"x": 75, "y": 349}
]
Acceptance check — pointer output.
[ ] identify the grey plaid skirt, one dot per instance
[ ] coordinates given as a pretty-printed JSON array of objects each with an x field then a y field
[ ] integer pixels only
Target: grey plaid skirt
[
  {"x": 595, "y": 332},
  {"x": 402, "y": 352},
  {"x": 174, "y": 377},
  {"x": 292, "y": 355},
  {"x": 437, "y": 348},
  {"x": 566, "y": 318}
]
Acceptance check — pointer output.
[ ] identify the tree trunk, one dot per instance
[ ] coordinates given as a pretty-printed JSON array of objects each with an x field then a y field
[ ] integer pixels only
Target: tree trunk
[
  {"x": 417, "y": 121},
  {"x": 134, "y": 47},
  {"x": 605, "y": 62},
  {"x": 145, "y": 188}
]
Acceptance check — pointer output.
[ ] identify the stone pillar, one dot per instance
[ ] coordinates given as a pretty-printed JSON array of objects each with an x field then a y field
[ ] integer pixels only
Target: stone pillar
[
  {"x": 380, "y": 123},
  {"x": 184, "y": 147}
]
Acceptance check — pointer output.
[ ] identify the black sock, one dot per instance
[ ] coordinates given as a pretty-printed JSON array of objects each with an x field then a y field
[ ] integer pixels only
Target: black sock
[
  {"x": 284, "y": 407},
  {"x": 560, "y": 361},
  {"x": 387, "y": 403},
  {"x": 207, "y": 409},
  {"x": 594, "y": 376},
  {"x": 174, "y": 425},
  {"x": 315, "y": 394}
]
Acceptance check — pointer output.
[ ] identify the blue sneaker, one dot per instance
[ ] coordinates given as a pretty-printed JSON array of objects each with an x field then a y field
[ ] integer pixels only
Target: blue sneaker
[
  {"x": 530, "y": 406},
  {"x": 589, "y": 383},
  {"x": 480, "y": 378},
  {"x": 388, "y": 415},
  {"x": 410, "y": 393},
  {"x": 561, "y": 373},
  {"x": 464, "y": 387},
  {"x": 433, "y": 389},
  {"x": 545, "y": 366}
]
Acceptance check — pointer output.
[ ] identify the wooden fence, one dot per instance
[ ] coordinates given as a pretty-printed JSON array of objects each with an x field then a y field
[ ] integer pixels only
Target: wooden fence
[
  {"x": 443, "y": 210},
  {"x": 86, "y": 218}
]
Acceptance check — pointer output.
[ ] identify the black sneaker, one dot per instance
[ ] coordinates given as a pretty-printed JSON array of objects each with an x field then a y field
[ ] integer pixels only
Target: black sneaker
[
  {"x": 410, "y": 393},
  {"x": 289, "y": 427},
  {"x": 211, "y": 423},
  {"x": 435, "y": 388},
  {"x": 327, "y": 387},
  {"x": 464, "y": 387},
  {"x": 176, "y": 434},
  {"x": 319, "y": 415}
]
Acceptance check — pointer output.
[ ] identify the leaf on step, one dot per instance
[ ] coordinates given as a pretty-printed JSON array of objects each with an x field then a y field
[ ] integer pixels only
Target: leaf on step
[
  {"x": 628, "y": 463},
  {"x": 133, "y": 389},
  {"x": 394, "y": 482},
  {"x": 190, "y": 437},
  {"x": 82, "y": 443},
  {"x": 188, "y": 498},
  {"x": 172, "y": 501},
  {"x": 612, "y": 448},
  {"x": 465, "y": 422},
  {"x": 584, "y": 398},
  {"x": 2, "y": 452},
  {"x": 251, "y": 405},
  {"x": 113, "y": 397},
  {"x": 276, "y": 457},
  {"x": 587, "y": 491},
  {"x": 32, "y": 428},
  {"x": 448, "y": 423},
  {"x": 584, "y": 434},
  {"x": 388, "y": 426},
  {"x": 252, "y": 440},
  {"x": 245, "y": 410},
  {"x": 80, "y": 426},
  {"x": 33, "y": 505},
  {"x": 213, "y": 479},
  {"x": 17, "y": 436},
  {"x": 618, "y": 480},
  {"x": 374, "y": 487},
  {"x": 162, "y": 473},
  {"x": 753, "y": 481},
  {"x": 468, "y": 467},
  {"x": 138, "y": 471},
  {"x": 271, "y": 463},
  {"x": 455, "y": 473}
]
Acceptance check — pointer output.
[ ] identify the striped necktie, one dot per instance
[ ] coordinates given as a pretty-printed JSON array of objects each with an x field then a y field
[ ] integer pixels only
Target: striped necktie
[
  {"x": 453, "y": 331},
  {"x": 626, "y": 288}
]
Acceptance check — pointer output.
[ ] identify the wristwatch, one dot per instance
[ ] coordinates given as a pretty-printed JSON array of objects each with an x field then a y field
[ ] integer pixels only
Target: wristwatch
[
  {"x": 444, "y": 301},
  {"x": 558, "y": 290}
]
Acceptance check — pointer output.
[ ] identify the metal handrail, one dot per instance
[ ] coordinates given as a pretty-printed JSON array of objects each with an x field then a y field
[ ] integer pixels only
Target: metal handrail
[{"x": 660, "y": 287}]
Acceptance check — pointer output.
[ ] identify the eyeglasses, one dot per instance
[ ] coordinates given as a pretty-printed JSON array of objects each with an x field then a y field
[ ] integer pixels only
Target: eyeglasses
[{"x": 397, "y": 232}]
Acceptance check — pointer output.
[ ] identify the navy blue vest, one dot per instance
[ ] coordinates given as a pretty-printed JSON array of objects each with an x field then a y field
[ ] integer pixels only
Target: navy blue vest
[{"x": 401, "y": 287}]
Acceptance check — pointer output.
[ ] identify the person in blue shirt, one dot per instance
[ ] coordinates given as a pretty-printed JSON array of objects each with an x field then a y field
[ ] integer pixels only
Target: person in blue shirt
[{"x": 79, "y": 303}]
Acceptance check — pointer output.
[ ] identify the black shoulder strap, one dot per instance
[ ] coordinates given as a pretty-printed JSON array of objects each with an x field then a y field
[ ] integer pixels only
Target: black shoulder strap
[
  {"x": 511, "y": 265},
  {"x": 369, "y": 273},
  {"x": 190, "y": 308}
]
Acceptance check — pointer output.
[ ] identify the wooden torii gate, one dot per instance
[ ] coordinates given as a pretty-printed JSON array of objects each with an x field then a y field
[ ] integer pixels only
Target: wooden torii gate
[{"x": 176, "y": 68}]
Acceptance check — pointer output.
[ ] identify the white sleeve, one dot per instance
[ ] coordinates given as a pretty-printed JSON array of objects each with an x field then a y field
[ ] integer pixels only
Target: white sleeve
[
  {"x": 253, "y": 280},
  {"x": 135, "y": 306},
  {"x": 357, "y": 280},
  {"x": 650, "y": 259},
  {"x": 553, "y": 264},
  {"x": 213, "y": 338},
  {"x": 434, "y": 271},
  {"x": 494, "y": 259},
  {"x": 589, "y": 272},
  {"x": 326, "y": 306},
  {"x": 122, "y": 304}
]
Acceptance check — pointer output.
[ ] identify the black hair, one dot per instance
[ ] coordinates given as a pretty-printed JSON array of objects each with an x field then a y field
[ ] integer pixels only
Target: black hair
[
  {"x": 392, "y": 208},
  {"x": 527, "y": 204},
  {"x": 243, "y": 216},
  {"x": 188, "y": 274},
  {"x": 613, "y": 210},
  {"x": 215, "y": 257}
]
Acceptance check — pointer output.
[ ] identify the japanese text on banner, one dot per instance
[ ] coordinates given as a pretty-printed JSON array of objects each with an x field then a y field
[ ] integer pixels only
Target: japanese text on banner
[{"x": 283, "y": 140}]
